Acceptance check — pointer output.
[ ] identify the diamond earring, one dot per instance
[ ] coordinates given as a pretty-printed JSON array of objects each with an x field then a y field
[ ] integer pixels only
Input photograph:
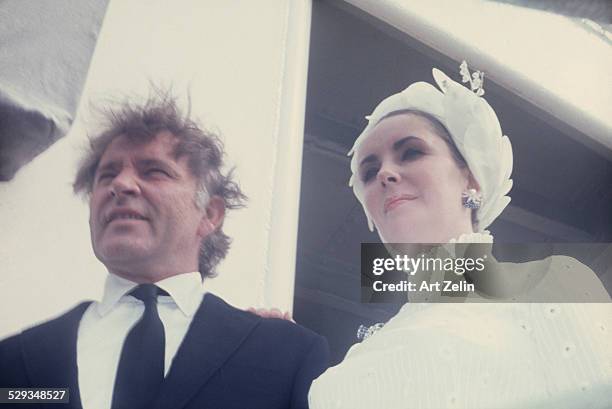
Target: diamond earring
[{"x": 471, "y": 199}]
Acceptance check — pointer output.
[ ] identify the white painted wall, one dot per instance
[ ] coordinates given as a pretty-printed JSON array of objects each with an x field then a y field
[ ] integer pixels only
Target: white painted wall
[{"x": 245, "y": 63}]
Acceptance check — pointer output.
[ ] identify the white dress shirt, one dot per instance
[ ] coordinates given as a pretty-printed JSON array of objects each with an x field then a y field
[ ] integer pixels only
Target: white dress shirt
[{"x": 105, "y": 325}]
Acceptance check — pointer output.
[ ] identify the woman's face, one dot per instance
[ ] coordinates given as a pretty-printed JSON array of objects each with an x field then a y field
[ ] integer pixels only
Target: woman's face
[{"x": 411, "y": 182}]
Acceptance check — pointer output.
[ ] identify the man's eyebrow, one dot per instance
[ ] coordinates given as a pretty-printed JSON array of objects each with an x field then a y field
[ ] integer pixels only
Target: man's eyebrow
[
  {"x": 112, "y": 165},
  {"x": 152, "y": 162},
  {"x": 398, "y": 144}
]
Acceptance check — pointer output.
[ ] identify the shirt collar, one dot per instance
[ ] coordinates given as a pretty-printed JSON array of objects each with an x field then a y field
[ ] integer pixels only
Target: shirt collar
[{"x": 185, "y": 289}]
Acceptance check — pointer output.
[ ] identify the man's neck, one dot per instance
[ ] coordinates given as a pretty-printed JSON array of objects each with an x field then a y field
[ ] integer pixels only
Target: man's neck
[{"x": 148, "y": 276}]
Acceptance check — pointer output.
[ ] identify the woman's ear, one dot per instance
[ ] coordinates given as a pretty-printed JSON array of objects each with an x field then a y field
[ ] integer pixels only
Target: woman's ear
[
  {"x": 472, "y": 182},
  {"x": 213, "y": 217}
]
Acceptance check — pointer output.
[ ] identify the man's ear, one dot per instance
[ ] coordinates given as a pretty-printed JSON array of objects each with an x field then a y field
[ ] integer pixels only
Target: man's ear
[{"x": 213, "y": 217}]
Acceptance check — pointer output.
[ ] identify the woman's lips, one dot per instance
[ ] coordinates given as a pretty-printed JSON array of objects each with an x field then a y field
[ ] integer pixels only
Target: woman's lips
[{"x": 395, "y": 201}]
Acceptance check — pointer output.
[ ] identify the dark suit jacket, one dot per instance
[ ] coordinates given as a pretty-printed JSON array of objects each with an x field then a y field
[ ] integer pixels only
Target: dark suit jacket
[{"x": 229, "y": 359}]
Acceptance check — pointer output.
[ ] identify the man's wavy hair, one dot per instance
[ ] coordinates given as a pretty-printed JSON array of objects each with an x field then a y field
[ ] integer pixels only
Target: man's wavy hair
[{"x": 140, "y": 123}]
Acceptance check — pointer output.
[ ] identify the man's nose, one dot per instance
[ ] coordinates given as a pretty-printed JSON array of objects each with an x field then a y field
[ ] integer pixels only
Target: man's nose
[
  {"x": 387, "y": 175},
  {"x": 125, "y": 183}
]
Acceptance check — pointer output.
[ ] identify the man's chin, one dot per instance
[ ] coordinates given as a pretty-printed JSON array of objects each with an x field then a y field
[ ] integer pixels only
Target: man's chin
[{"x": 112, "y": 254}]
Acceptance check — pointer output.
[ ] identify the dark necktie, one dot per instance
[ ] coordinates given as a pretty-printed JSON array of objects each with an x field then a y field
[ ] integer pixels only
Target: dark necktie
[{"x": 141, "y": 366}]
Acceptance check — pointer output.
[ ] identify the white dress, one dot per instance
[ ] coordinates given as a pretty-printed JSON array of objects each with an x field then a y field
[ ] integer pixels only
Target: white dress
[{"x": 478, "y": 356}]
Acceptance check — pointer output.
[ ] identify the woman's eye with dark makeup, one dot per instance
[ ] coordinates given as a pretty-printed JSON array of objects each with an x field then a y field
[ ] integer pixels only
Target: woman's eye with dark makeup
[
  {"x": 369, "y": 174},
  {"x": 411, "y": 153}
]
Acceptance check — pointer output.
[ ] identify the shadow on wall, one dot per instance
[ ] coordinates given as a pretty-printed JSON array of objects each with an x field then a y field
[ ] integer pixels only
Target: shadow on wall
[{"x": 44, "y": 66}]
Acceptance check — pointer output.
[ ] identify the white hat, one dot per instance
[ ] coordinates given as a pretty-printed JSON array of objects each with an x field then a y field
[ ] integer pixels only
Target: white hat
[{"x": 472, "y": 124}]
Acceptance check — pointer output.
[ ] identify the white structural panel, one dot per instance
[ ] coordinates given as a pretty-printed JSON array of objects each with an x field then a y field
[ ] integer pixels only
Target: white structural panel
[
  {"x": 545, "y": 58},
  {"x": 245, "y": 64}
]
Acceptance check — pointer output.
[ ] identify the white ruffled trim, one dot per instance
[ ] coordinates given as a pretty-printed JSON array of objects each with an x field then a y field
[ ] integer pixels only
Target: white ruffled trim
[{"x": 478, "y": 237}]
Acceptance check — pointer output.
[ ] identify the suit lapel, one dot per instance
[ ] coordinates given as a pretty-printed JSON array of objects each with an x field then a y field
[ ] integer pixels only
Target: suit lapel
[
  {"x": 215, "y": 333},
  {"x": 50, "y": 353}
]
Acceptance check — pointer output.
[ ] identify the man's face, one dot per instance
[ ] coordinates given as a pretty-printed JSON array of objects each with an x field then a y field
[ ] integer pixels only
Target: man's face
[{"x": 144, "y": 220}]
